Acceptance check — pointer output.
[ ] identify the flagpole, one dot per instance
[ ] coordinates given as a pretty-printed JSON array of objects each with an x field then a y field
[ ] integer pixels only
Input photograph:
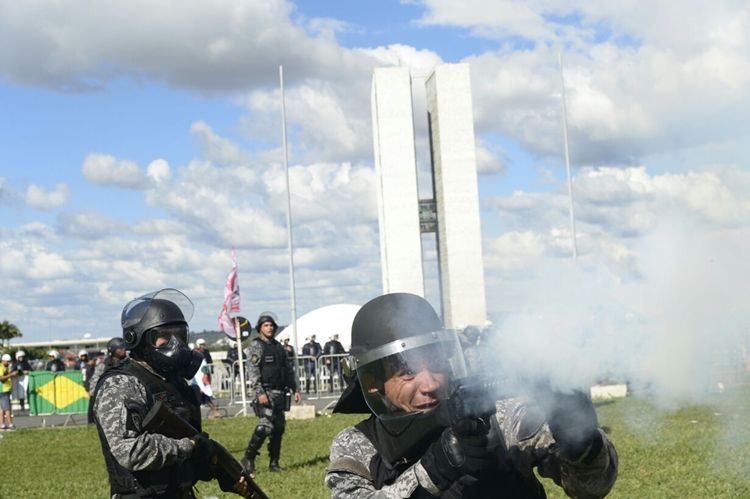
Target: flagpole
[
  {"x": 240, "y": 362},
  {"x": 290, "y": 240},
  {"x": 571, "y": 210}
]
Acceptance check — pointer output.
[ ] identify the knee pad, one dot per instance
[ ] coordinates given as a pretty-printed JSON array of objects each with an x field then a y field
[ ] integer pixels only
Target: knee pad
[{"x": 263, "y": 430}]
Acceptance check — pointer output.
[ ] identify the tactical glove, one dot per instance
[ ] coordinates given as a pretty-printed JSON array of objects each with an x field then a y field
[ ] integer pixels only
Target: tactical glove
[
  {"x": 572, "y": 419},
  {"x": 460, "y": 450},
  {"x": 204, "y": 447}
]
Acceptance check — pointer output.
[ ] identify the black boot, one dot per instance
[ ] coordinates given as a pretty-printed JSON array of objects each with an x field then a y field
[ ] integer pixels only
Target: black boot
[
  {"x": 248, "y": 461},
  {"x": 274, "y": 452}
]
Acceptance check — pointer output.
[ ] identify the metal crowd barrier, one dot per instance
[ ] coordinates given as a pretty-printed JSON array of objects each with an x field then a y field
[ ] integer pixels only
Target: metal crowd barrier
[
  {"x": 57, "y": 393},
  {"x": 320, "y": 377}
]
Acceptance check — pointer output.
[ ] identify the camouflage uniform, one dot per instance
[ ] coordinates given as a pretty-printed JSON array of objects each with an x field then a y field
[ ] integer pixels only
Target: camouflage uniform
[
  {"x": 520, "y": 438},
  {"x": 119, "y": 404},
  {"x": 270, "y": 371}
]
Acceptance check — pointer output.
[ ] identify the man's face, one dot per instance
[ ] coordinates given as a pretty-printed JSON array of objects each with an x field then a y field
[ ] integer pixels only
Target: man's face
[
  {"x": 415, "y": 392},
  {"x": 266, "y": 329}
]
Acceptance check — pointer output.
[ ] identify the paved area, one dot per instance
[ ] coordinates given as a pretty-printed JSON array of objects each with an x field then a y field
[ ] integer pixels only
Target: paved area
[{"x": 22, "y": 419}]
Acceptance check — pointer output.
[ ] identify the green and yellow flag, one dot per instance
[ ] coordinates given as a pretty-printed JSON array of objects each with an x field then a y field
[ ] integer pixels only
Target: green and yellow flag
[{"x": 57, "y": 393}]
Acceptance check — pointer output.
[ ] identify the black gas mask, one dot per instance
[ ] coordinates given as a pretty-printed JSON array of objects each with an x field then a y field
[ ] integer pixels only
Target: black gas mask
[{"x": 155, "y": 330}]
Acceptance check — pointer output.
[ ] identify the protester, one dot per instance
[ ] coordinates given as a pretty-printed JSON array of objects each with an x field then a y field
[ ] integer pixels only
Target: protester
[
  {"x": 81, "y": 361},
  {"x": 21, "y": 382},
  {"x": 54, "y": 363},
  {"x": 142, "y": 463},
  {"x": 311, "y": 350},
  {"x": 272, "y": 380},
  {"x": 202, "y": 380},
  {"x": 406, "y": 367},
  {"x": 200, "y": 347},
  {"x": 6, "y": 384},
  {"x": 333, "y": 347}
]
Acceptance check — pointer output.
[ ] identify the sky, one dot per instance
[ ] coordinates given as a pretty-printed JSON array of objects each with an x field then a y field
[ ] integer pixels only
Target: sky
[{"x": 140, "y": 141}]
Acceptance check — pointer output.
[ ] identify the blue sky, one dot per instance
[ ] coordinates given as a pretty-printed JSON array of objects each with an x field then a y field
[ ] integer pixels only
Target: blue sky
[{"x": 137, "y": 150}]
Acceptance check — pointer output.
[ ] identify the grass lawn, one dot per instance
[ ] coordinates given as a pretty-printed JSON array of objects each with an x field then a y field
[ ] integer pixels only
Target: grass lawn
[{"x": 695, "y": 452}]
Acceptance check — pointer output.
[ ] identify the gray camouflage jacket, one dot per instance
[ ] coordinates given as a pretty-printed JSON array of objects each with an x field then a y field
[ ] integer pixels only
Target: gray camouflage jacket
[
  {"x": 134, "y": 450},
  {"x": 348, "y": 474}
]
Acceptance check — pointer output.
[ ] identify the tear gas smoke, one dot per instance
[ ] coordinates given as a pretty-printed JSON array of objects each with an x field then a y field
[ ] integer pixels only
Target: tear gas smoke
[{"x": 672, "y": 325}]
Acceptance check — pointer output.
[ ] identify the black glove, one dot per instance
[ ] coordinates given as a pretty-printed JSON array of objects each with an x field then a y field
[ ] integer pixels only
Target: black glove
[
  {"x": 460, "y": 450},
  {"x": 204, "y": 447},
  {"x": 572, "y": 419}
]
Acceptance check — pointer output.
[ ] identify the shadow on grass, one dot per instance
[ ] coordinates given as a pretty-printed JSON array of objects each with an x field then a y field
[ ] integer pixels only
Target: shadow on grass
[{"x": 310, "y": 462}]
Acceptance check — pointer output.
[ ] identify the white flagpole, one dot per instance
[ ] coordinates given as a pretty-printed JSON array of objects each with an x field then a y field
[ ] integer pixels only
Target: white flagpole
[
  {"x": 567, "y": 163},
  {"x": 241, "y": 363},
  {"x": 288, "y": 212}
]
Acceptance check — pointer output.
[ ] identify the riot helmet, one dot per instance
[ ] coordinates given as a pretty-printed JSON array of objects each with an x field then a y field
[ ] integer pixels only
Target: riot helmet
[
  {"x": 398, "y": 341},
  {"x": 267, "y": 317},
  {"x": 155, "y": 330},
  {"x": 20, "y": 354},
  {"x": 115, "y": 344}
]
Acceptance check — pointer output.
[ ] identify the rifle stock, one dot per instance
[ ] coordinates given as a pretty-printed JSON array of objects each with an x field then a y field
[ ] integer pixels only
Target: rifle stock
[{"x": 164, "y": 421}]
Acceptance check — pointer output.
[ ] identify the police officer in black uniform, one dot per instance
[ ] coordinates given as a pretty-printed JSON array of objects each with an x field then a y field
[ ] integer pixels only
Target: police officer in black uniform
[
  {"x": 139, "y": 463},
  {"x": 272, "y": 381}
]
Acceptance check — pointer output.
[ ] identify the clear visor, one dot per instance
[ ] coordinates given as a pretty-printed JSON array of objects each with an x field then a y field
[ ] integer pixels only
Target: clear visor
[
  {"x": 162, "y": 335},
  {"x": 414, "y": 374},
  {"x": 136, "y": 309}
]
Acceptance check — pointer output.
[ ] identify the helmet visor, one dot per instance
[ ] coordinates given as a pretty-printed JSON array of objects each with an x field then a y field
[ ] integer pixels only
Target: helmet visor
[
  {"x": 162, "y": 335},
  {"x": 135, "y": 310},
  {"x": 411, "y": 375}
]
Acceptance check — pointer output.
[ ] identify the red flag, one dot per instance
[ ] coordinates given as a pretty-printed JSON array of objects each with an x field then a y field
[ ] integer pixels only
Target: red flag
[{"x": 231, "y": 300}]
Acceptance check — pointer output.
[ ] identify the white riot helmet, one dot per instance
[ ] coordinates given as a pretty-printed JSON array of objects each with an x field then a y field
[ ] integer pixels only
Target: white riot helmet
[{"x": 20, "y": 354}]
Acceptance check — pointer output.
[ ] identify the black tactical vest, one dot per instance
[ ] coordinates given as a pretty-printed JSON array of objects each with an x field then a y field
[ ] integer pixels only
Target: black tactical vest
[
  {"x": 273, "y": 365},
  {"x": 173, "y": 481}
]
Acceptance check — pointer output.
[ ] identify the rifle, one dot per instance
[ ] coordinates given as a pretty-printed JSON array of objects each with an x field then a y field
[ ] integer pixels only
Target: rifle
[
  {"x": 474, "y": 397},
  {"x": 163, "y": 420}
]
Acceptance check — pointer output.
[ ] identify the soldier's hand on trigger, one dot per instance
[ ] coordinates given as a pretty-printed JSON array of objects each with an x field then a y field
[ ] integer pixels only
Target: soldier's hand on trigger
[
  {"x": 460, "y": 450},
  {"x": 263, "y": 399}
]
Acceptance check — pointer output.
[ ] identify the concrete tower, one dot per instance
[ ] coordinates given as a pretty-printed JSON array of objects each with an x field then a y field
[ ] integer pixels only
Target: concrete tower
[
  {"x": 396, "y": 168},
  {"x": 454, "y": 170},
  {"x": 454, "y": 210}
]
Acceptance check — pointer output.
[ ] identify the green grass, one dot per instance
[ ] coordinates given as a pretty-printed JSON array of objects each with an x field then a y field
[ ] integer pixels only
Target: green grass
[{"x": 695, "y": 452}]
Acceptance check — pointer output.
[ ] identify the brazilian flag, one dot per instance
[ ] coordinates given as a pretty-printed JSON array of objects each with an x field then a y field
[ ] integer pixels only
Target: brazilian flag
[{"x": 57, "y": 393}]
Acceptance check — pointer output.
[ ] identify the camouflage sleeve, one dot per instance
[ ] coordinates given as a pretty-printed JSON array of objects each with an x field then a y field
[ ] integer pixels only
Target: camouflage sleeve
[
  {"x": 530, "y": 443},
  {"x": 254, "y": 357},
  {"x": 348, "y": 475},
  {"x": 119, "y": 408},
  {"x": 98, "y": 370}
]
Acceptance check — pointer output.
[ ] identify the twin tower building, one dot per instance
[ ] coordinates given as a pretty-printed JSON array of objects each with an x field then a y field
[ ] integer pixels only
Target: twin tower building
[{"x": 453, "y": 210}]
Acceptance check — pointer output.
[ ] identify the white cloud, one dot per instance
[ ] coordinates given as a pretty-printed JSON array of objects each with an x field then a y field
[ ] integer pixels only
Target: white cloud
[
  {"x": 38, "y": 197},
  {"x": 158, "y": 170},
  {"x": 215, "y": 148},
  {"x": 104, "y": 169}
]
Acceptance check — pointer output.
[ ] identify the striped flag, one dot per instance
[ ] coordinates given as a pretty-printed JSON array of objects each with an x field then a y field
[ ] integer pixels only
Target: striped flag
[{"x": 231, "y": 300}]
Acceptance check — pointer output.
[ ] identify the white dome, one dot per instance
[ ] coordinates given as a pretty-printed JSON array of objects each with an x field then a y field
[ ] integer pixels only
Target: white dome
[{"x": 324, "y": 322}]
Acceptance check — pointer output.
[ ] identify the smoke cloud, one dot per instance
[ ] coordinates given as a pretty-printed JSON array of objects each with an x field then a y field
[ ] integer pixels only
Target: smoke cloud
[{"x": 672, "y": 325}]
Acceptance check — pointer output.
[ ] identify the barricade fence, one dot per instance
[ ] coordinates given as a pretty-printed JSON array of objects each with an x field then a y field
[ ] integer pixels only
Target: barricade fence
[
  {"x": 320, "y": 377},
  {"x": 57, "y": 393}
]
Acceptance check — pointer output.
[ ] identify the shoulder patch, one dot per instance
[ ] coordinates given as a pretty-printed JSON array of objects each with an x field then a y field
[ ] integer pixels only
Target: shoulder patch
[{"x": 255, "y": 359}]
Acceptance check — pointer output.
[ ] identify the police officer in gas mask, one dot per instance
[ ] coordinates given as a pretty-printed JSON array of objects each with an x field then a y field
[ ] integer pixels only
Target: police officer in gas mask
[
  {"x": 139, "y": 463},
  {"x": 405, "y": 371}
]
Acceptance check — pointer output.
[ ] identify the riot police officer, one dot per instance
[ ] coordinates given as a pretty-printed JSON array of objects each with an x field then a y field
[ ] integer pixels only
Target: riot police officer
[
  {"x": 271, "y": 377},
  {"x": 140, "y": 463},
  {"x": 417, "y": 443}
]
